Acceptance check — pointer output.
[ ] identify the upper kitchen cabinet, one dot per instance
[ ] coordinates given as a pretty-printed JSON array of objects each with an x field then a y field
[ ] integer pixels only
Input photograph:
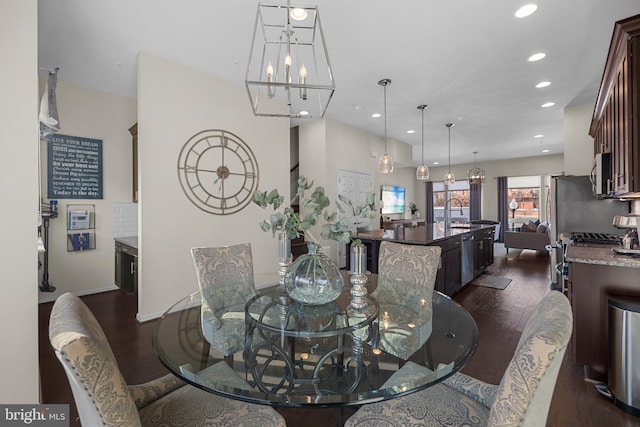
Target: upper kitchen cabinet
[
  {"x": 616, "y": 119},
  {"x": 134, "y": 144}
]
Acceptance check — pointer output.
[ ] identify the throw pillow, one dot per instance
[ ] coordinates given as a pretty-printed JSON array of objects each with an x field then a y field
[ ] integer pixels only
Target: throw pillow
[
  {"x": 527, "y": 227},
  {"x": 542, "y": 227}
]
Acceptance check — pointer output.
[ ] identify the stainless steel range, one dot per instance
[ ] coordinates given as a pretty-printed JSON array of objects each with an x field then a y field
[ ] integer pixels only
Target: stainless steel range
[{"x": 596, "y": 238}]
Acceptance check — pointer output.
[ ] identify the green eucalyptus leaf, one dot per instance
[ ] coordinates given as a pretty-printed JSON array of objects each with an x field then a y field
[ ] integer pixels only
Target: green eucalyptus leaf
[
  {"x": 273, "y": 194},
  {"x": 277, "y": 202},
  {"x": 371, "y": 199},
  {"x": 345, "y": 237},
  {"x": 265, "y": 226},
  {"x": 259, "y": 198}
]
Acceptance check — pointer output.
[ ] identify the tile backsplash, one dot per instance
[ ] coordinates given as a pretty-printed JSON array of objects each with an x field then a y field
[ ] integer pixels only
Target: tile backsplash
[{"x": 125, "y": 219}]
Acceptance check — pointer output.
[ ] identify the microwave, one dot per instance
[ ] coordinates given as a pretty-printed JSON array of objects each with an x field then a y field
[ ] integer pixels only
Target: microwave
[{"x": 601, "y": 174}]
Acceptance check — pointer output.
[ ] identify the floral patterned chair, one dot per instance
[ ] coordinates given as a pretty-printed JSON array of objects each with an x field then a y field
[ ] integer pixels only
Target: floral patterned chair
[
  {"x": 409, "y": 263},
  {"x": 104, "y": 399},
  {"x": 406, "y": 278},
  {"x": 226, "y": 282},
  {"x": 522, "y": 398}
]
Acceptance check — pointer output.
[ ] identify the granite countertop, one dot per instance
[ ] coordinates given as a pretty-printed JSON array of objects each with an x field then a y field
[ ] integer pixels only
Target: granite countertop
[
  {"x": 129, "y": 241},
  {"x": 422, "y": 233},
  {"x": 600, "y": 254}
]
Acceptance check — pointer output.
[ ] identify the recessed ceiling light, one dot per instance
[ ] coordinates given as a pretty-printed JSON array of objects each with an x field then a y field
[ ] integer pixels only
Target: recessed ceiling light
[
  {"x": 537, "y": 57},
  {"x": 538, "y": 136},
  {"x": 376, "y": 115},
  {"x": 543, "y": 84},
  {"x": 546, "y": 150},
  {"x": 548, "y": 104},
  {"x": 298, "y": 14},
  {"x": 304, "y": 113},
  {"x": 411, "y": 131},
  {"x": 436, "y": 163},
  {"x": 526, "y": 10}
]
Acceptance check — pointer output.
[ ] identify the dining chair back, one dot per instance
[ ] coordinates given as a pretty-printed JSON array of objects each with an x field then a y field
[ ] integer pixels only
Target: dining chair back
[
  {"x": 226, "y": 282},
  {"x": 412, "y": 265},
  {"x": 406, "y": 279},
  {"x": 103, "y": 397},
  {"x": 522, "y": 398}
]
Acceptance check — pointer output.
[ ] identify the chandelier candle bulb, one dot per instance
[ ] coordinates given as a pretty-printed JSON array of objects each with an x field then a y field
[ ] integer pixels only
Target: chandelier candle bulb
[{"x": 303, "y": 79}]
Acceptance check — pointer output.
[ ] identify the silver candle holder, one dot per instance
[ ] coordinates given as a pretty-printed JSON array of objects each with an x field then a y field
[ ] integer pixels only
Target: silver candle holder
[
  {"x": 284, "y": 256},
  {"x": 358, "y": 260}
]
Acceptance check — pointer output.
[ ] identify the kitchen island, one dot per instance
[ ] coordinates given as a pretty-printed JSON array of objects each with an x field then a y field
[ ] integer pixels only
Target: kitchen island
[
  {"x": 595, "y": 274},
  {"x": 467, "y": 249}
]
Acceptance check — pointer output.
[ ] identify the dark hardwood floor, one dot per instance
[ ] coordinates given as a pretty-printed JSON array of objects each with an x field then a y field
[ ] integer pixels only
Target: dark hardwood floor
[{"x": 500, "y": 316}]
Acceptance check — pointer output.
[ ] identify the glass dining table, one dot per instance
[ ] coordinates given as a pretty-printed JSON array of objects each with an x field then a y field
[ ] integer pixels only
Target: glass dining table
[{"x": 402, "y": 340}]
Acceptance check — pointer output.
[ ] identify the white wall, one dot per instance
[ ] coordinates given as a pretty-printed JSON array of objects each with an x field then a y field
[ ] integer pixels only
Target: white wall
[
  {"x": 98, "y": 115},
  {"x": 19, "y": 193},
  {"x": 578, "y": 144},
  {"x": 327, "y": 146},
  {"x": 175, "y": 103}
]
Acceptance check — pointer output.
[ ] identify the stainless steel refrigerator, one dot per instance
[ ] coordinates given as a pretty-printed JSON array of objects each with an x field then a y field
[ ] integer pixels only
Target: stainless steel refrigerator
[{"x": 574, "y": 208}]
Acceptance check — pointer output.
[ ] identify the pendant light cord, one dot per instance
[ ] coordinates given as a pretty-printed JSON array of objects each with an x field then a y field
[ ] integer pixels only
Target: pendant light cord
[
  {"x": 449, "y": 126},
  {"x": 385, "y": 118},
  {"x": 422, "y": 136}
]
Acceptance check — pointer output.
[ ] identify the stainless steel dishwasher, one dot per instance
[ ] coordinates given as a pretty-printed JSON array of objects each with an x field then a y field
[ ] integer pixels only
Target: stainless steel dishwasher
[{"x": 468, "y": 243}]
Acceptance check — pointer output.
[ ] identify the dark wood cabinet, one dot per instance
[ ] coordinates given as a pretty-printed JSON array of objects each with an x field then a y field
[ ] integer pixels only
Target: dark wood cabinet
[
  {"x": 589, "y": 288},
  {"x": 126, "y": 266},
  {"x": 449, "y": 278},
  {"x": 483, "y": 251},
  {"x": 616, "y": 119}
]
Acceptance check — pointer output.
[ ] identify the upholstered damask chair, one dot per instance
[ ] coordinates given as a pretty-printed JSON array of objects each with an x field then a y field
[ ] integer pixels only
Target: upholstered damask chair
[
  {"x": 522, "y": 398},
  {"x": 406, "y": 278},
  {"x": 226, "y": 282},
  {"x": 409, "y": 264},
  {"x": 104, "y": 399}
]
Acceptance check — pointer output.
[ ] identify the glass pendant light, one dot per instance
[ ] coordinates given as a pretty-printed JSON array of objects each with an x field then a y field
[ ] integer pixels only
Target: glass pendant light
[
  {"x": 449, "y": 179},
  {"x": 385, "y": 163},
  {"x": 422, "y": 173},
  {"x": 475, "y": 174}
]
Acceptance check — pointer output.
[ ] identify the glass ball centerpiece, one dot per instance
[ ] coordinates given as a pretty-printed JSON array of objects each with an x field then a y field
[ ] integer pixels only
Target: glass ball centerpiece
[{"x": 313, "y": 279}]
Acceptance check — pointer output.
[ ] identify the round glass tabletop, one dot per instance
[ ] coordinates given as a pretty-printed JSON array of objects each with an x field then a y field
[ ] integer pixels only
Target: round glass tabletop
[{"x": 404, "y": 340}]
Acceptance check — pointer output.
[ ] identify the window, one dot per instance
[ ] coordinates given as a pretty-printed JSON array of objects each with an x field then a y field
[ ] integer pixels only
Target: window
[
  {"x": 459, "y": 195},
  {"x": 525, "y": 192}
]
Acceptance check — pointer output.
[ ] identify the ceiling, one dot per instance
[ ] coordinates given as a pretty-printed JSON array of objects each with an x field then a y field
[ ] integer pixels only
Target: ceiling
[{"x": 466, "y": 59}]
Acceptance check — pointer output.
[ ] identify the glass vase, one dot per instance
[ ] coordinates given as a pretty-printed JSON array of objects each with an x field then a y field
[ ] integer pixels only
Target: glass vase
[{"x": 313, "y": 279}]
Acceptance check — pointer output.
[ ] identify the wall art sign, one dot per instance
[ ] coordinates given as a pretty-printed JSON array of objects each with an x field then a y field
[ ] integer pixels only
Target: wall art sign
[{"x": 74, "y": 167}]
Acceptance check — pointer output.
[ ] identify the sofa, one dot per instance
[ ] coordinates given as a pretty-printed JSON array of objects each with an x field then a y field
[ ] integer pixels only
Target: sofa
[{"x": 532, "y": 235}]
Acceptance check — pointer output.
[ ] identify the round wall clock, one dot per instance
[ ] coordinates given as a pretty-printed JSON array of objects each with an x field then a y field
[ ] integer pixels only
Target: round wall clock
[{"x": 218, "y": 172}]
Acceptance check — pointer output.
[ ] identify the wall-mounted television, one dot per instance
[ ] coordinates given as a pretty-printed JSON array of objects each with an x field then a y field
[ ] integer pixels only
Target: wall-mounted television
[{"x": 392, "y": 199}]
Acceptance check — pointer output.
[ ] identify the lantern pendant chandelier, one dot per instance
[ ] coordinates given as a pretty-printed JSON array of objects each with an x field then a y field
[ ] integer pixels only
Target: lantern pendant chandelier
[
  {"x": 422, "y": 172},
  {"x": 289, "y": 73},
  {"x": 385, "y": 163},
  {"x": 449, "y": 179},
  {"x": 475, "y": 175}
]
